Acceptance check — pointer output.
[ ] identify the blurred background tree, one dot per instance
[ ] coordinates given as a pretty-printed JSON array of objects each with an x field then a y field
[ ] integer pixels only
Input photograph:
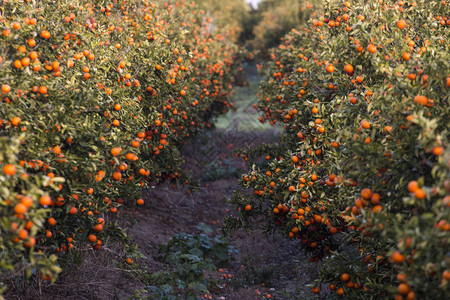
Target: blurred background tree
[
  {"x": 266, "y": 25},
  {"x": 228, "y": 13}
]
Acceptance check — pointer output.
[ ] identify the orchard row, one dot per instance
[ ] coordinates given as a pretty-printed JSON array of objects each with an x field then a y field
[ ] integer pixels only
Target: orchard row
[
  {"x": 96, "y": 99},
  {"x": 361, "y": 175}
]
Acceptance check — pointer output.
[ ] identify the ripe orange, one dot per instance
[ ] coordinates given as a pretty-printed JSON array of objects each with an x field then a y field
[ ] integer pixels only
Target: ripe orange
[
  {"x": 420, "y": 194},
  {"x": 42, "y": 90},
  {"x": 129, "y": 261},
  {"x": 45, "y": 200},
  {"x": 348, "y": 69},
  {"x": 117, "y": 176},
  {"x": 9, "y": 169},
  {"x": 397, "y": 257},
  {"x": 73, "y": 210},
  {"x": 372, "y": 48},
  {"x": 116, "y": 151},
  {"x": 31, "y": 42},
  {"x": 45, "y": 34},
  {"x": 345, "y": 277},
  {"x": 92, "y": 238},
  {"x": 406, "y": 56},
  {"x": 413, "y": 186},
  {"x": 437, "y": 150},
  {"x": 366, "y": 194},
  {"x": 330, "y": 68},
  {"x": 6, "y": 88},
  {"x": 27, "y": 201},
  {"x": 18, "y": 64},
  {"x": 403, "y": 288},
  {"x": 23, "y": 234},
  {"x": 365, "y": 124},
  {"x": 422, "y": 100},
  {"x": 401, "y": 24},
  {"x": 15, "y": 121},
  {"x": 98, "y": 227},
  {"x": 140, "y": 201},
  {"x": 20, "y": 209}
]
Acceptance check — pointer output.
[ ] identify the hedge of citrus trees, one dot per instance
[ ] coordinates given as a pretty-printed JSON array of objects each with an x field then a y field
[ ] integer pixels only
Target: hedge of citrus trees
[
  {"x": 96, "y": 99},
  {"x": 275, "y": 18},
  {"x": 361, "y": 174}
]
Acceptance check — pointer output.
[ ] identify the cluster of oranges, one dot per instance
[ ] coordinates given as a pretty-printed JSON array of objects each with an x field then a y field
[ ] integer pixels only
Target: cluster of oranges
[
  {"x": 102, "y": 95},
  {"x": 362, "y": 168}
]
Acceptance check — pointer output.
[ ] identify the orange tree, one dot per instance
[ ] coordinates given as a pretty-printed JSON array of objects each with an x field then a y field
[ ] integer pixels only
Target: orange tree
[
  {"x": 19, "y": 197},
  {"x": 274, "y": 18},
  {"x": 360, "y": 175},
  {"x": 103, "y": 94}
]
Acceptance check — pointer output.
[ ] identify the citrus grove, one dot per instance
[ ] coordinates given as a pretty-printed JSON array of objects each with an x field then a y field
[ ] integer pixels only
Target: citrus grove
[
  {"x": 96, "y": 99},
  {"x": 361, "y": 174}
]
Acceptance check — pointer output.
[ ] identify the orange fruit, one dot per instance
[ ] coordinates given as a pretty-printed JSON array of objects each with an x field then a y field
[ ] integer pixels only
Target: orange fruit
[
  {"x": 413, "y": 186},
  {"x": 345, "y": 277},
  {"x": 18, "y": 64},
  {"x": 397, "y": 257},
  {"x": 406, "y": 56},
  {"x": 401, "y": 24},
  {"x": 403, "y": 288},
  {"x": 98, "y": 227},
  {"x": 51, "y": 221},
  {"x": 116, "y": 151},
  {"x": 366, "y": 194},
  {"x": 365, "y": 124},
  {"x": 420, "y": 194},
  {"x": 45, "y": 200},
  {"x": 6, "y": 88},
  {"x": 330, "y": 68},
  {"x": 15, "y": 121},
  {"x": 20, "y": 209},
  {"x": 45, "y": 34},
  {"x": 9, "y": 169},
  {"x": 42, "y": 90},
  {"x": 92, "y": 238},
  {"x": 372, "y": 48},
  {"x": 117, "y": 176},
  {"x": 31, "y": 42},
  {"x": 348, "y": 69},
  {"x": 23, "y": 234}
]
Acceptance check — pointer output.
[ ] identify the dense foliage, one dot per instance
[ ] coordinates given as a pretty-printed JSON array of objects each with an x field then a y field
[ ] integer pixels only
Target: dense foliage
[
  {"x": 97, "y": 98},
  {"x": 360, "y": 176},
  {"x": 266, "y": 25}
]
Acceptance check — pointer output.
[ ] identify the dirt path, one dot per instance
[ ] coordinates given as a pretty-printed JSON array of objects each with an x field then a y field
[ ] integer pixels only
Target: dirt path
[{"x": 263, "y": 265}]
